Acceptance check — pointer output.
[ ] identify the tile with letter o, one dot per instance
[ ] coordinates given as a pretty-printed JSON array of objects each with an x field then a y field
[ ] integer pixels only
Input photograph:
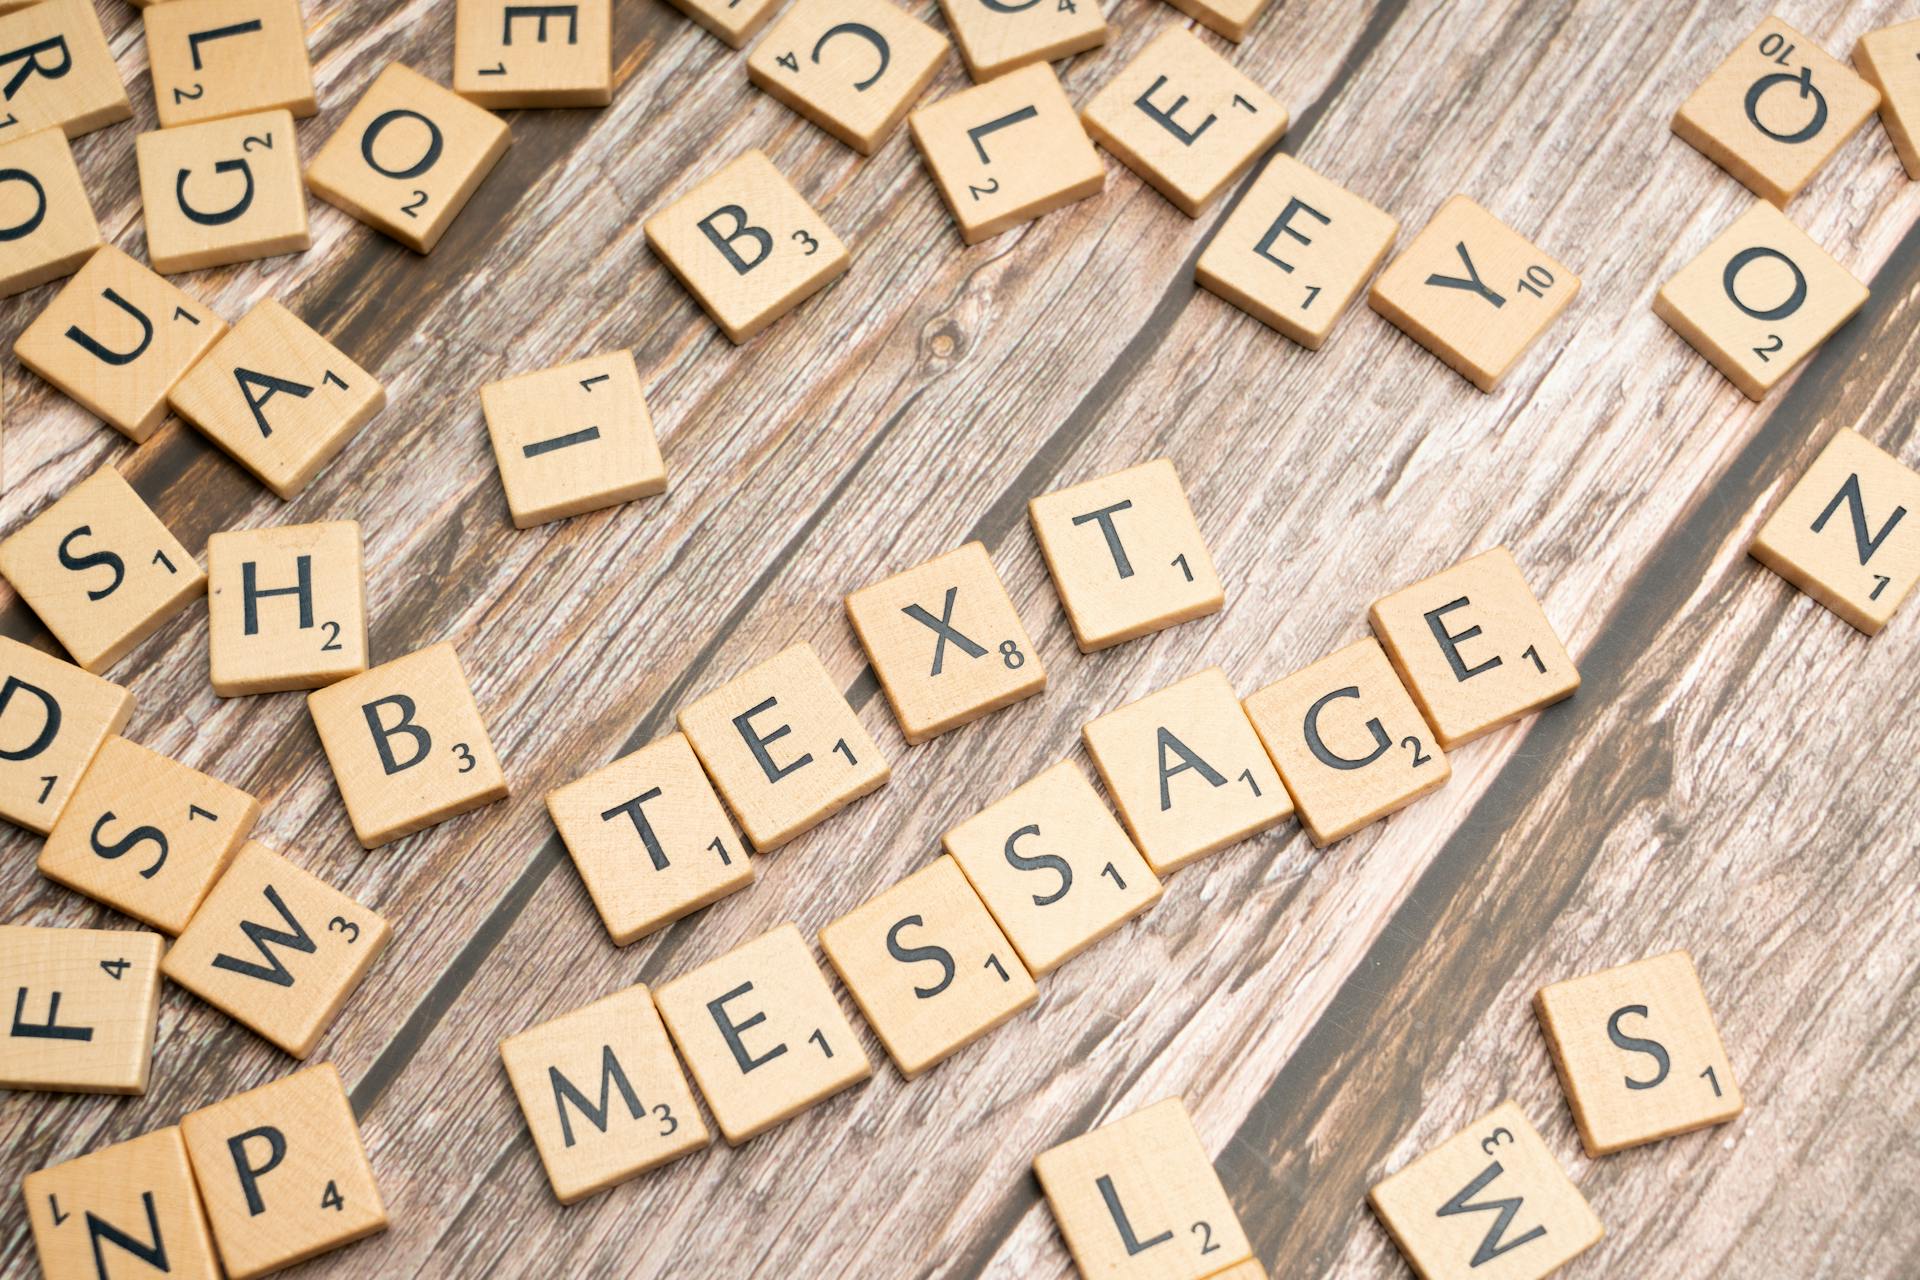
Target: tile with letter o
[
  {"x": 80, "y": 1010},
  {"x": 573, "y": 438},
  {"x": 130, "y": 1209},
  {"x": 998, "y": 36},
  {"x": 853, "y": 67},
  {"x": 1889, "y": 59},
  {"x": 60, "y": 72},
  {"x": 286, "y": 607},
  {"x": 53, "y": 719},
  {"x": 47, "y": 227},
  {"x": 509, "y": 54},
  {"x": 217, "y": 58},
  {"x": 222, "y": 191}
]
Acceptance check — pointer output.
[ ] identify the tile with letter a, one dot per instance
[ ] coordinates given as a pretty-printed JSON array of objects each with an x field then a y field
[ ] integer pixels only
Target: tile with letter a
[
  {"x": 1138, "y": 1199},
  {"x": 286, "y": 607},
  {"x": 1489, "y": 1203},
  {"x": 853, "y": 67},
  {"x": 603, "y": 1095},
  {"x": 508, "y": 54},
  {"x": 1848, "y": 534},
  {"x": 998, "y": 36},
  {"x": 283, "y": 1172},
  {"x": 128, "y": 1210},
  {"x": 222, "y": 191},
  {"x": 1890, "y": 60},
  {"x": 59, "y": 71},
  {"x": 573, "y": 438},
  {"x": 79, "y": 1008},
  {"x": 53, "y": 719},
  {"x": 1229, "y": 18},
  {"x": 218, "y": 58},
  {"x": 734, "y": 21},
  {"x": 762, "y": 1033},
  {"x": 47, "y": 227}
]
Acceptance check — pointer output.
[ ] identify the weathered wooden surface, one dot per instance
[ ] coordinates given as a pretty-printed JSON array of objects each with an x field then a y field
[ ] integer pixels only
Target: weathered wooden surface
[{"x": 1736, "y": 776}]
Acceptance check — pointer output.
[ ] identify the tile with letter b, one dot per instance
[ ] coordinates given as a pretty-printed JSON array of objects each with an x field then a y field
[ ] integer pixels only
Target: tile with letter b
[
  {"x": 762, "y": 1033},
  {"x": 997, "y": 37},
  {"x": 853, "y": 67},
  {"x": 217, "y": 58},
  {"x": 1889, "y": 59},
  {"x": 53, "y": 719},
  {"x": 573, "y": 438},
  {"x": 508, "y": 54},
  {"x": 130, "y": 1209},
  {"x": 286, "y": 607},
  {"x": 222, "y": 191},
  {"x": 47, "y": 227},
  {"x": 59, "y": 71},
  {"x": 734, "y": 21},
  {"x": 80, "y": 1008},
  {"x": 1229, "y": 18}
]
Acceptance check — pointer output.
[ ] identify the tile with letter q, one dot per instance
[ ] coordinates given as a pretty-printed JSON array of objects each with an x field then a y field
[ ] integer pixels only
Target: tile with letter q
[
  {"x": 53, "y": 719},
  {"x": 123, "y": 1210},
  {"x": 508, "y": 54},
  {"x": 286, "y": 607},
  {"x": 60, "y": 72},
  {"x": 83, "y": 1008},
  {"x": 216, "y": 58},
  {"x": 853, "y": 67},
  {"x": 573, "y": 438},
  {"x": 222, "y": 191},
  {"x": 47, "y": 227}
]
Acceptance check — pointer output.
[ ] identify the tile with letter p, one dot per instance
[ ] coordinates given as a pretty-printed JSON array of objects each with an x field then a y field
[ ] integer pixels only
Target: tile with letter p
[
  {"x": 129, "y": 1209},
  {"x": 80, "y": 1008},
  {"x": 53, "y": 719}
]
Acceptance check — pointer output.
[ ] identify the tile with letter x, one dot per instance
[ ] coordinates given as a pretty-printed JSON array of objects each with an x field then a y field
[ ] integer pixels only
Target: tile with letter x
[
  {"x": 53, "y": 719},
  {"x": 997, "y": 36},
  {"x": 222, "y": 191},
  {"x": 1138, "y": 1199},
  {"x": 1489, "y": 1203},
  {"x": 762, "y": 1033},
  {"x": 1890, "y": 60},
  {"x": 853, "y": 67},
  {"x": 47, "y": 227},
  {"x": 126, "y": 1210},
  {"x": 734, "y": 21},
  {"x": 509, "y": 54},
  {"x": 59, "y": 71},
  {"x": 218, "y": 58},
  {"x": 286, "y": 607},
  {"x": 573, "y": 438},
  {"x": 79, "y": 1007}
]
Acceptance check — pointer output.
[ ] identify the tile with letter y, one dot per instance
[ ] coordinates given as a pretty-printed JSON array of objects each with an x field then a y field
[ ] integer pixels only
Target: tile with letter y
[
  {"x": 853, "y": 67},
  {"x": 1889, "y": 59},
  {"x": 53, "y": 719},
  {"x": 573, "y": 438},
  {"x": 286, "y": 607},
  {"x": 127, "y": 1210},
  {"x": 510, "y": 54},
  {"x": 222, "y": 191},
  {"x": 998, "y": 36},
  {"x": 217, "y": 58},
  {"x": 80, "y": 1008},
  {"x": 47, "y": 227},
  {"x": 59, "y": 71}
]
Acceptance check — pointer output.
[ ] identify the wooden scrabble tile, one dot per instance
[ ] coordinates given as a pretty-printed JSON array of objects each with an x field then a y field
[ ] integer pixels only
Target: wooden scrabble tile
[
  {"x": 1775, "y": 111},
  {"x": 734, "y": 21},
  {"x": 1126, "y": 555},
  {"x": 282, "y": 1170},
  {"x": 60, "y": 72},
  {"x": 747, "y": 245},
  {"x": 1186, "y": 771},
  {"x": 783, "y": 747},
  {"x": 83, "y": 1010},
  {"x": 286, "y": 607},
  {"x": 603, "y": 1094},
  {"x": 407, "y": 745},
  {"x": 277, "y": 949},
  {"x": 1229, "y": 18},
  {"x": 993, "y": 180},
  {"x": 217, "y": 58},
  {"x": 116, "y": 338},
  {"x": 1473, "y": 291},
  {"x": 47, "y": 227},
  {"x": 222, "y": 191},
  {"x": 408, "y": 157},
  {"x": 573, "y": 438},
  {"x": 53, "y": 718},
  {"x": 1759, "y": 299},
  {"x": 762, "y": 1033},
  {"x": 1295, "y": 250},
  {"x": 100, "y": 569},
  {"x": 1348, "y": 741},
  {"x": 1842, "y": 534},
  {"x": 1473, "y": 647},
  {"x": 278, "y": 397},
  {"x": 1889, "y": 59},
  {"x": 996, "y": 37},
  {"x": 507, "y": 54},
  {"x": 1051, "y": 863},
  {"x": 1491, "y": 1201},
  {"x": 650, "y": 838},
  {"x": 1138, "y": 1199},
  {"x": 853, "y": 67},
  {"x": 127, "y": 1209}
]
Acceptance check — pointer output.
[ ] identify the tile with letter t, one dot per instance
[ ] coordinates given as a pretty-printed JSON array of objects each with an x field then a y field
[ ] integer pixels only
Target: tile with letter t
[
  {"x": 1489, "y": 1202},
  {"x": 997, "y": 36},
  {"x": 1229, "y": 18},
  {"x": 1138, "y": 1199},
  {"x": 130, "y": 1209},
  {"x": 47, "y": 227},
  {"x": 80, "y": 1010},
  {"x": 59, "y": 71},
  {"x": 222, "y": 191},
  {"x": 573, "y": 438},
  {"x": 53, "y": 719},
  {"x": 509, "y": 54},
  {"x": 1889, "y": 59},
  {"x": 853, "y": 67},
  {"x": 762, "y": 1033},
  {"x": 218, "y": 58},
  {"x": 734, "y": 21},
  {"x": 286, "y": 607},
  {"x": 407, "y": 745}
]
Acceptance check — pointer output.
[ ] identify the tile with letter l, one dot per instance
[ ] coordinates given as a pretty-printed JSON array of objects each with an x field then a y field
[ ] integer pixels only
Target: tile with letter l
[
  {"x": 53, "y": 719},
  {"x": 286, "y": 607},
  {"x": 217, "y": 58},
  {"x": 82, "y": 1008},
  {"x": 222, "y": 191},
  {"x": 507, "y": 54},
  {"x": 853, "y": 67},
  {"x": 1889, "y": 59},
  {"x": 47, "y": 227},
  {"x": 60, "y": 73},
  {"x": 573, "y": 438},
  {"x": 130, "y": 1209},
  {"x": 997, "y": 37}
]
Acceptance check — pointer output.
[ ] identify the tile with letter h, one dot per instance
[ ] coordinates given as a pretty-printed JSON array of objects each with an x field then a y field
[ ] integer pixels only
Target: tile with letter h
[
  {"x": 54, "y": 717},
  {"x": 507, "y": 54},
  {"x": 286, "y": 607},
  {"x": 997, "y": 37},
  {"x": 130, "y": 1209},
  {"x": 573, "y": 438},
  {"x": 853, "y": 67},
  {"x": 1889, "y": 59},
  {"x": 217, "y": 58},
  {"x": 222, "y": 191},
  {"x": 80, "y": 1008},
  {"x": 47, "y": 227},
  {"x": 59, "y": 71}
]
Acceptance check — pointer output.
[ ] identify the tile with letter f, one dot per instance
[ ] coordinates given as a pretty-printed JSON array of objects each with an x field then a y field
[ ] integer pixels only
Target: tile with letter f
[
  {"x": 286, "y": 607},
  {"x": 54, "y": 717},
  {"x": 78, "y": 1008},
  {"x": 126, "y": 1210}
]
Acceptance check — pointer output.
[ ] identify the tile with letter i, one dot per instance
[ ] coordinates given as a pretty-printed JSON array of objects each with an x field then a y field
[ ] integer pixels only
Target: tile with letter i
[
  {"x": 80, "y": 1008},
  {"x": 222, "y": 191},
  {"x": 218, "y": 58},
  {"x": 573, "y": 438},
  {"x": 997, "y": 36},
  {"x": 47, "y": 227},
  {"x": 853, "y": 67},
  {"x": 130, "y": 1209},
  {"x": 60, "y": 73},
  {"x": 1889, "y": 59},
  {"x": 1229, "y": 18},
  {"x": 286, "y": 607},
  {"x": 53, "y": 719},
  {"x": 507, "y": 54},
  {"x": 734, "y": 21}
]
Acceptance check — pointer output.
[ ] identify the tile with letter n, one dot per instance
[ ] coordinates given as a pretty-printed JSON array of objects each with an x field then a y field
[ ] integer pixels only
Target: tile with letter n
[
  {"x": 853, "y": 67},
  {"x": 1489, "y": 1203},
  {"x": 511, "y": 54},
  {"x": 734, "y": 21},
  {"x": 1229, "y": 18},
  {"x": 1138, "y": 1199},
  {"x": 222, "y": 191},
  {"x": 286, "y": 607},
  {"x": 573, "y": 438},
  {"x": 762, "y": 1033},
  {"x": 53, "y": 719},
  {"x": 47, "y": 227},
  {"x": 1889, "y": 59},
  {"x": 217, "y": 58},
  {"x": 59, "y": 71},
  {"x": 283, "y": 1172},
  {"x": 998, "y": 36},
  {"x": 79, "y": 1008},
  {"x": 130, "y": 1209},
  {"x": 603, "y": 1095}
]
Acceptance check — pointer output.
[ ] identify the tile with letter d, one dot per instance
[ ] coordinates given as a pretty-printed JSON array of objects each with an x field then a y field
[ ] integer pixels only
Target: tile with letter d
[
  {"x": 59, "y": 71},
  {"x": 47, "y": 227},
  {"x": 222, "y": 191},
  {"x": 853, "y": 67},
  {"x": 734, "y": 21},
  {"x": 53, "y": 719},
  {"x": 82, "y": 1009},
  {"x": 130, "y": 1209},
  {"x": 507, "y": 54},
  {"x": 286, "y": 607},
  {"x": 217, "y": 58},
  {"x": 573, "y": 438},
  {"x": 1229, "y": 18},
  {"x": 1889, "y": 59},
  {"x": 998, "y": 36}
]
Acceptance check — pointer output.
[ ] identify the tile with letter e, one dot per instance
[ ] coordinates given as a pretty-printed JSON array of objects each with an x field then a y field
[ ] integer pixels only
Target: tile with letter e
[
  {"x": 1296, "y": 250},
  {"x": 1889, "y": 59},
  {"x": 1843, "y": 534},
  {"x": 1229, "y": 18},
  {"x": 650, "y": 838},
  {"x": 1473, "y": 291},
  {"x": 286, "y": 607},
  {"x": 222, "y": 191},
  {"x": 1489, "y": 1203},
  {"x": 734, "y": 21},
  {"x": 603, "y": 1095},
  {"x": 407, "y": 745},
  {"x": 1760, "y": 299},
  {"x": 283, "y": 1172},
  {"x": 130, "y": 1209},
  {"x": 1138, "y": 1199},
  {"x": 47, "y": 227},
  {"x": 1006, "y": 152},
  {"x": 59, "y": 71},
  {"x": 277, "y": 949},
  {"x": 408, "y": 157},
  {"x": 997, "y": 37},
  {"x": 853, "y": 67},
  {"x": 573, "y": 438},
  {"x": 53, "y": 719},
  {"x": 928, "y": 967},
  {"x": 80, "y": 1007},
  {"x": 1473, "y": 647},
  {"x": 783, "y": 747},
  {"x": 218, "y": 58},
  {"x": 762, "y": 1033},
  {"x": 509, "y": 54}
]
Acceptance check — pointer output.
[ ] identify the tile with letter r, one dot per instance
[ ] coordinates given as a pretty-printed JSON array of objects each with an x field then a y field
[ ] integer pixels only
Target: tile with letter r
[
  {"x": 80, "y": 1008},
  {"x": 53, "y": 719},
  {"x": 222, "y": 191},
  {"x": 217, "y": 58},
  {"x": 47, "y": 227},
  {"x": 734, "y": 21},
  {"x": 129, "y": 1209},
  {"x": 1889, "y": 59},
  {"x": 853, "y": 67},
  {"x": 999, "y": 36},
  {"x": 60, "y": 72},
  {"x": 286, "y": 607},
  {"x": 510, "y": 54},
  {"x": 1229, "y": 18},
  {"x": 573, "y": 438}
]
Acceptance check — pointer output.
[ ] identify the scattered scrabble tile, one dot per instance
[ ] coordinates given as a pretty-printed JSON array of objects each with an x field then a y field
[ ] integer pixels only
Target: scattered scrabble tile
[
  {"x": 573, "y": 438},
  {"x": 222, "y": 191},
  {"x": 47, "y": 227},
  {"x": 116, "y": 338},
  {"x": 1473, "y": 291},
  {"x": 1775, "y": 111},
  {"x": 1473, "y": 647},
  {"x": 650, "y": 838},
  {"x": 217, "y": 58},
  {"x": 783, "y": 747},
  {"x": 119, "y": 1211},
  {"x": 507, "y": 54},
  {"x": 1295, "y": 250},
  {"x": 1053, "y": 866},
  {"x": 53, "y": 718},
  {"x": 1229, "y": 18},
  {"x": 1138, "y": 1199},
  {"x": 602, "y": 1093},
  {"x": 734, "y": 21},
  {"x": 407, "y": 745},
  {"x": 60, "y": 72},
  {"x": 747, "y": 245},
  {"x": 282, "y": 1171},
  {"x": 1842, "y": 534},
  {"x": 83, "y": 1009},
  {"x": 1492, "y": 1191},
  {"x": 997, "y": 36},
  {"x": 1890, "y": 60},
  {"x": 853, "y": 67},
  {"x": 408, "y": 157},
  {"x": 1008, "y": 151},
  {"x": 762, "y": 1033},
  {"x": 1126, "y": 554},
  {"x": 1186, "y": 770},
  {"x": 1759, "y": 299},
  {"x": 286, "y": 607},
  {"x": 100, "y": 569}
]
